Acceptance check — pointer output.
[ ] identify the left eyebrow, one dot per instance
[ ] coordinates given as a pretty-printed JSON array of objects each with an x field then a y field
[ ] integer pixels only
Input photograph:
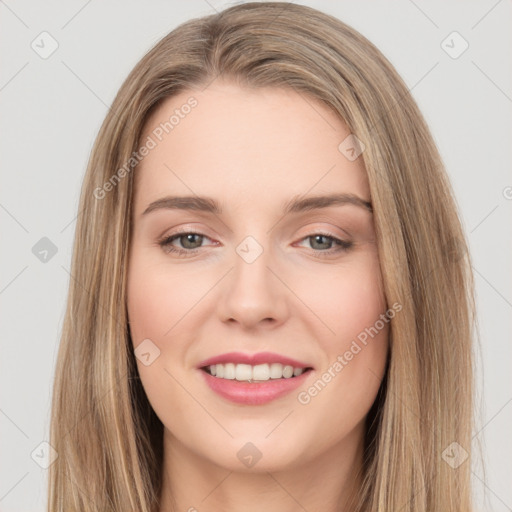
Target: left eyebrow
[{"x": 295, "y": 205}]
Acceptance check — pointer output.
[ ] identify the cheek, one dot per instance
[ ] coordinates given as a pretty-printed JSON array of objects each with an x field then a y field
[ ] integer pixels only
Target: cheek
[
  {"x": 157, "y": 301},
  {"x": 351, "y": 305},
  {"x": 347, "y": 299},
  {"x": 154, "y": 308},
  {"x": 145, "y": 309}
]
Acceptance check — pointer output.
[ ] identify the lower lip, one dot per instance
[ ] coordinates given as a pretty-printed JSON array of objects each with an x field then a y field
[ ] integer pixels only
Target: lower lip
[{"x": 259, "y": 393}]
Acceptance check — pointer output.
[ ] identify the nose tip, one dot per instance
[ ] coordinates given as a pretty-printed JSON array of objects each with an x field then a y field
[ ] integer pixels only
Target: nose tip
[{"x": 253, "y": 295}]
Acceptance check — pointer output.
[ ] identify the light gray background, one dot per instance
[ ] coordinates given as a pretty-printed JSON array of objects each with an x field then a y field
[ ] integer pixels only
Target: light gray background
[{"x": 52, "y": 108}]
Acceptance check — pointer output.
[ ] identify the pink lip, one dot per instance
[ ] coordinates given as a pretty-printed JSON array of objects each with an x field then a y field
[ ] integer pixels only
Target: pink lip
[
  {"x": 252, "y": 359},
  {"x": 253, "y": 393}
]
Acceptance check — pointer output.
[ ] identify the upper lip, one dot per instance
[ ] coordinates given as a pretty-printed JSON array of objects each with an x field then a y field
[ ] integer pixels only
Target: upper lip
[{"x": 252, "y": 359}]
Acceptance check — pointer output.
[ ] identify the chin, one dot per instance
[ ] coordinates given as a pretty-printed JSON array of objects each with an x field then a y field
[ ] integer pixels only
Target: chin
[{"x": 258, "y": 453}]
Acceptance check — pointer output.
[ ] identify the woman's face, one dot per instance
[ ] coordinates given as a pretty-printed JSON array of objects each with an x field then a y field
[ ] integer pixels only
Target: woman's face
[{"x": 259, "y": 276}]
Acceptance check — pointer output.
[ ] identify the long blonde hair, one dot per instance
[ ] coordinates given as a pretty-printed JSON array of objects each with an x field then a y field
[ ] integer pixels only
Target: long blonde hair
[{"x": 108, "y": 438}]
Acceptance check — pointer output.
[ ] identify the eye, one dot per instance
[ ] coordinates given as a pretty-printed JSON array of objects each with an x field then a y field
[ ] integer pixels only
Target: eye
[
  {"x": 326, "y": 244},
  {"x": 323, "y": 244},
  {"x": 190, "y": 242}
]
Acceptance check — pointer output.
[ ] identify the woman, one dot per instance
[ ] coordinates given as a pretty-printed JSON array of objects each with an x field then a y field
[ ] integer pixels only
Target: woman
[{"x": 272, "y": 303}]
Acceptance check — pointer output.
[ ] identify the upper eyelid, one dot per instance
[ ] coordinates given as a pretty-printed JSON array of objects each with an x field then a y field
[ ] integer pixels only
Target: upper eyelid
[
  {"x": 341, "y": 245},
  {"x": 312, "y": 230},
  {"x": 319, "y": 231}
]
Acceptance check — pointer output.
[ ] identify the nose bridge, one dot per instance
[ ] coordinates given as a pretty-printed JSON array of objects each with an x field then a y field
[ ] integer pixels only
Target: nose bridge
[
  {"x": 251, "y": 264},
  {"x": 253, "y": 293}
]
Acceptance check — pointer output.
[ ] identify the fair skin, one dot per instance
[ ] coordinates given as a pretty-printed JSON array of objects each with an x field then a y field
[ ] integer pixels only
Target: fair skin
[{"x": 252, "y": 150}]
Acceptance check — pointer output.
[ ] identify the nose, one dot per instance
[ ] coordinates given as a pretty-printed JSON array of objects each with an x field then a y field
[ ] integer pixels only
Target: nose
[{"x": 254, "y": 293}]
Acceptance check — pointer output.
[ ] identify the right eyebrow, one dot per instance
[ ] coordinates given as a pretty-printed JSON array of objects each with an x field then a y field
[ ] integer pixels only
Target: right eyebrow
[{"x": 203, "y": 204}]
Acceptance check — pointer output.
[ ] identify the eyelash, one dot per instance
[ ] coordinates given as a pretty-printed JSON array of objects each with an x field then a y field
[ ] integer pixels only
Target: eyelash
[{"x": 165, "y": 243}]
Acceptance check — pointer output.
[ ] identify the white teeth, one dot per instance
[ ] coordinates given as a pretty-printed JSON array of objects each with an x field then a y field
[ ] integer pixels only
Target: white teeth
[
  {"x": 243, "y": 371},
  {"x": 287, "y": 372},
  {"x": 229, "y": 371},
  {"x": 276, "y": 370},
  {"x": 259, "y": 372}
]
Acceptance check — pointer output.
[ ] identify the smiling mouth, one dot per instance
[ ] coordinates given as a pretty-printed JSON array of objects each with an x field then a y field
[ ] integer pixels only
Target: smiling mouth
[{"x": 254, "y": 373}]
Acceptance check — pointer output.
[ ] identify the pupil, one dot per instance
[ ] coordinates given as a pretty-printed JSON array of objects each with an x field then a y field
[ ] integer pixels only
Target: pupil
[
  {"x": 319, "y": 237},
  {"x": 189, "y": 238}
]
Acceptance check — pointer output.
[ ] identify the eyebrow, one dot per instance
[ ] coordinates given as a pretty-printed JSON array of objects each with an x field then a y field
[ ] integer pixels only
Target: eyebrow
[{"x": 295, "y": 205}]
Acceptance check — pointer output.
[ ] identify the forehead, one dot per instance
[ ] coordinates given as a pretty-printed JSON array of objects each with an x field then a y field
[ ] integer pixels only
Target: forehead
[{"x": 260, "y": 144}]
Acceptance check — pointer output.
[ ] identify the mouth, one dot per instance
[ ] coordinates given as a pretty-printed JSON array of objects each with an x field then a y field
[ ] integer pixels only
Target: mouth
[
  {"x": 254, "y": 373},
  {"x": 250, "y": 385}
]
